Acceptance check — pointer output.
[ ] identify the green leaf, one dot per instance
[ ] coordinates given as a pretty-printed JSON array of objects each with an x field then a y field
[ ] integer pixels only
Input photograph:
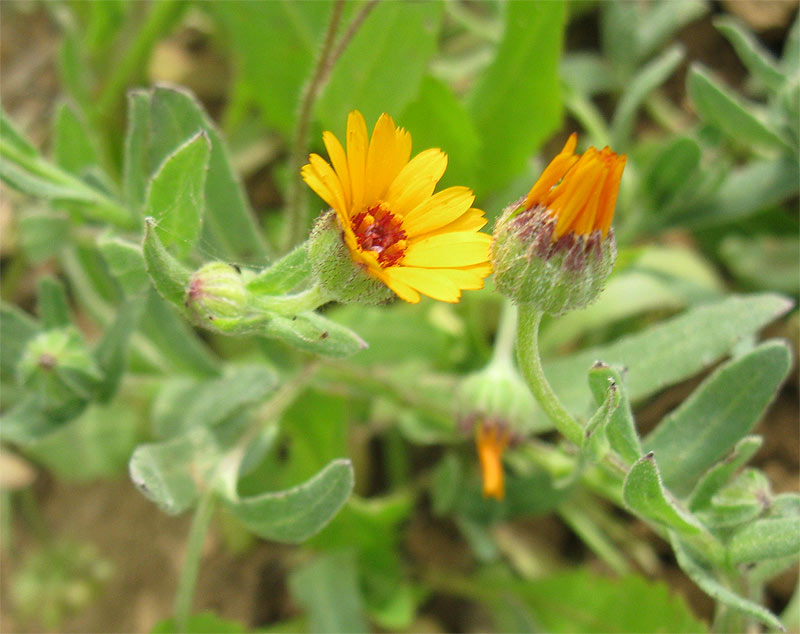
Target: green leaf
[
  {"x": 173, "y": 473},
  {"x": 296, "y": 514},
  {"x": 583, "y": 601},
  {"x": 125, "y": 260},
  {"x": 169, "y": 276},
  {"x": 311, "y": 332},
  {"x": 28, "y": 422},
  {"x": 74, "y": 150},
  {"x": 97, "y": 444},
  {"x": 716, "y": 477},
  {"x": 516, "y": 103},
  {"x": 175, "y": 115},
  {"x": 765, "y": 539},
  {"x": 621, "y": 428},
  {"x": 671, "y": 170},
  {"x": 759, "y": 61},
  {"x": 203, "y": 623},
  {"x": 595, "y": 439},
  {"x": 721, "y": 108},
  {"x": 437, "y": 119},
  {"x": 52, "y": 303},
  {"x": 43, "y": 234},
  {"x": 216, "y": 399},
  {"x": 176, "y": 195},
  {"x": 183, "y": 349},
  {"x": 670, "y": 351},
  {"x": 275, "y": 74},
  {"x": 16, "y": 329},
  {"x": 717, "y": 415},
  {"x": 112, "y": 351},
  {"x": 382, "y": 66},
  {"x": 746, "y": 190},
  {"x": 10, "y": 134},
  {"x": 586, "y": 73},
  {"x": 645, "y": 81},
  {"x": 284, "y": 276},
  {"x": 742, "y": 500},
  {"x": 645, "y": 495},
  {"x": 328, "y": 589},
  {"x": 711, "y": 586},
  {"x": 662, "y": 20},
  {"x": 136, "y": 169},
  {"x": 764, "y": 262}
]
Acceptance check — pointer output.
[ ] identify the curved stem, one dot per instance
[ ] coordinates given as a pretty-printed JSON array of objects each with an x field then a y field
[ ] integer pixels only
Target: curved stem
[
  {"x": 191, "y": 560},
  {"x": 302, "y": 302},
  {"x": 506, "y": 333},
  {"x": 296, "y": 220},
  {"x": 531, "y": 366}
]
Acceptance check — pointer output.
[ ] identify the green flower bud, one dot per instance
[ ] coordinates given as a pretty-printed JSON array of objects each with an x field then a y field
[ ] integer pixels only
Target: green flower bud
[
  {"x": 217, "y": 294},
  {"x": 58, "y": 367},
  {"x": 554, "y": 249},
  {"x": 334, "y": 269}
]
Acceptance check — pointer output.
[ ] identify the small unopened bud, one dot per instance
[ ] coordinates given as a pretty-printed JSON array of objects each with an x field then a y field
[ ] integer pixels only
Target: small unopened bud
[
  {"x": 335, "y": 270},
  {"x": 554, "y": 249},
  {"x": 216, "y": 292},
  {"x": 58, "y": 366}
]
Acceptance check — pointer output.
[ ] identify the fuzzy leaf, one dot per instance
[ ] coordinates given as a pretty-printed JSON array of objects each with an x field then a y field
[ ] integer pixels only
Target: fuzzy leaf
[
  {"x": 621, "y": 428},
  {"x": 176, "y": 195},
  {"x": 644, "y": 493},
  {"x": 311, "y": 332},
  {"x": 717, "y": 415},
  {"x": 765, "y": 539},
  {"x": 169, "y": 276},
  {"x": 296, "y": 514},
  {"x": 716, "y": 477},
  {"x": 126, "y": 262}
]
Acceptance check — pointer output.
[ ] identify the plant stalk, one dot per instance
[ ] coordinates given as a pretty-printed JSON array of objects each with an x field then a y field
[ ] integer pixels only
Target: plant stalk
[
  {"x": 297, "y": 221},
  {"x": 531, "y": 365},
  {"x": 191, "y": 561},
  {"x": 304, "y": 301}
]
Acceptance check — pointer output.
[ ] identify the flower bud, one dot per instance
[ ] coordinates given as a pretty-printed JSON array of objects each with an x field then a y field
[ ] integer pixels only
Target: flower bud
[
  {"x": 555, "y": 248},
  {"x": 497, "y": 406},
  {"x": 59, "y": 368},
  {"x": 346, "y": 280},
  {"x": 217, "y": 294}
]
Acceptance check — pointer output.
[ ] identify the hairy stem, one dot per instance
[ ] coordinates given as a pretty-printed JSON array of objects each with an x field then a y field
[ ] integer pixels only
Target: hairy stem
[
  {"x": 531, "y": 365},
  {"x": 297, "y": 221},
  {"x": 191, "y": 561}
]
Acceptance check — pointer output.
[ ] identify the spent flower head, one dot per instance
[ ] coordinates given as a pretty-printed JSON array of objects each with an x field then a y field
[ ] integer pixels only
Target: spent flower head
[
  {"x": 390, "y": 229},
  {"x": 555, "y": 248}
]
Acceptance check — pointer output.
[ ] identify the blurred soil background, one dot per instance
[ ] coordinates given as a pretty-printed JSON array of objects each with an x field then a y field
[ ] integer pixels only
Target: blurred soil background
[{"x": 241, "y": 578}]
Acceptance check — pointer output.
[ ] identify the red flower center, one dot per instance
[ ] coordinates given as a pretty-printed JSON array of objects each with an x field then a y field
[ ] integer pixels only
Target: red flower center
[{"x": 378, "y": 230}]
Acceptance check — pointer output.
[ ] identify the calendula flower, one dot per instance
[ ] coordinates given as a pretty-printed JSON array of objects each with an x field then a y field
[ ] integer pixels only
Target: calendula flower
[
  {"x": 395, "y": 229},
  {"x": 555, "y": 248}
]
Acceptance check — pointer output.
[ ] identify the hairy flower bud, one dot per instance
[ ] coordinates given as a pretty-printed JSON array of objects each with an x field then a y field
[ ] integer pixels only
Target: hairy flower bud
[
  {"x": 554, "y": 249},
  {"x": 216, "y": 294},
  {"x": 346, "y": 280},
  {"x": 59, "y": 368}
]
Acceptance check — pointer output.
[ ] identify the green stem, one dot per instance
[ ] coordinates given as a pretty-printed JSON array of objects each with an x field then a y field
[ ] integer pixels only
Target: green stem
[
  {"x": 506, "y": 333},
  {"x": 191, "y": 560},
  {"x": 297, "y": 221},
  {"x": 531, "y": 366},
  {"x": 302, "y": 302},
  {"x": 594, "y": 537}
]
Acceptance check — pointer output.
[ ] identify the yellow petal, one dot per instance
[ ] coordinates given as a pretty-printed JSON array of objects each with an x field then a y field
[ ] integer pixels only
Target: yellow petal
[
  {"x": 438, "y": 210},
  {"x": 322, "y": 179},
  {"x": 431, "y": 282},
  {"x": 385, "y": 159},
  {"x": 467, "y": 279},
  {"x": 401, "y": 288},
  {"x": 356, "y": 158},
  {"x": 472, "y": 220},
  {"x": 450, "y": 250},
  {"x": 339, "y": 162},
  {"x": 416, "y": 181}
]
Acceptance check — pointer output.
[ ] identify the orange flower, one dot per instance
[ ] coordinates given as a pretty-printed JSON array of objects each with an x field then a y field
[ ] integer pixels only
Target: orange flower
[
  {"x": 394, "y": 226},
  {"x": 579, "y": 191}
]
